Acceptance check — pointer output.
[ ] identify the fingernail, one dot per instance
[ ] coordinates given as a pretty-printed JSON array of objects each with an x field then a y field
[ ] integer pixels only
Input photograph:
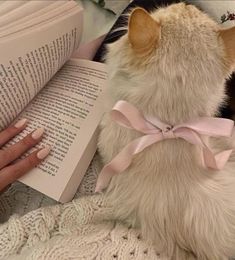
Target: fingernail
[
  {"x": 20, "y": 123},
  {"x": 37, "y": 133},
  {"x": 44, "y": 152}
]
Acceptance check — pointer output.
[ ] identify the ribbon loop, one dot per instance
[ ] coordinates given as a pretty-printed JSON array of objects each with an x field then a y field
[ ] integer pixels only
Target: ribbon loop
[
  {"x": 210, "y": 126},
  {"x": 155, "y": 131},
  {"x": 128, "y": 116}
]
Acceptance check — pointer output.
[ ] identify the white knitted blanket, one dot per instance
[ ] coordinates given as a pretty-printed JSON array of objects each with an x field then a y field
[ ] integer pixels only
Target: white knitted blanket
[{"x": 78, "y": 230}]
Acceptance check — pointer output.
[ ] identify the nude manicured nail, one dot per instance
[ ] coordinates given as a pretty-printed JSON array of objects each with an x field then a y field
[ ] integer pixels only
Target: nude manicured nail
[
  {"x": 44, "y": 152},
  {"x": 37, "y": 133},
  {"x": 20, "y": 123}
]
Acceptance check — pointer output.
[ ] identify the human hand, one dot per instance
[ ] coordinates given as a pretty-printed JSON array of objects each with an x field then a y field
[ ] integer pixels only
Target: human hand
[{"x": 10, "y": 170}]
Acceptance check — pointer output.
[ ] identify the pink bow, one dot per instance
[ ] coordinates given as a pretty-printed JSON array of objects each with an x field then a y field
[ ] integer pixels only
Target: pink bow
[{"x": 128, "y": 116}]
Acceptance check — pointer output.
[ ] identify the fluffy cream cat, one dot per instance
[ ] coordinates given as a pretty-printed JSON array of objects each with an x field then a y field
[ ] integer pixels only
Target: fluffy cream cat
[{"x": 172, "y": 64}]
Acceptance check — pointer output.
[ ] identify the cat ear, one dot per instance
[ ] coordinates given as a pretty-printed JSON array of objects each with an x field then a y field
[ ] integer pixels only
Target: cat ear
[
  {"x": 143, "y": 32},
  {"x": 228, "y": 36}
]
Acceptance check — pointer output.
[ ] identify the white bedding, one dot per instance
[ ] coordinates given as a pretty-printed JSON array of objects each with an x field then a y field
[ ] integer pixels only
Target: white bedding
[
  {"x": 97, "y": 21},
  {"x": 222, "y": 11}
]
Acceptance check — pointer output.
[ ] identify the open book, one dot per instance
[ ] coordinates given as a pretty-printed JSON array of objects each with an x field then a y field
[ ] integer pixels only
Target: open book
[{"x": 40, "y": 82}]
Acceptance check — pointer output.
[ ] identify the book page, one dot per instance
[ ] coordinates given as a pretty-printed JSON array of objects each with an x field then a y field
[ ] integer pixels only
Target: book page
[
  {"x": 7, "y": 6},
  {"x": 88, "y": 50},
  {"x": 30, "y": 61},
  {"x": 69, "y": 108},
  {"x": 32, "y": 15},
  {"x": 52, "y": 11},
  {"x": 21, "y": 11}
]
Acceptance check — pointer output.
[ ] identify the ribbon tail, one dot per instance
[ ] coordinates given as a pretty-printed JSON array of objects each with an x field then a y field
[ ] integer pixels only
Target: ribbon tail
[
  {"x": 104, "y": 178},
  {"x": 218, "y": 161},
  {"x": 222, "y": 158},
  {"x": 122, "y": 160},
  {"x": 215, "y": 162}
]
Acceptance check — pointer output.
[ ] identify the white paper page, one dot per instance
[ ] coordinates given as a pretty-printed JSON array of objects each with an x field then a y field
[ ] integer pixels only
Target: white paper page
[
  {"x": 32, "y": 14},
  {"x": 29, "y": 62},
  {"x": 23, "y": 10},
  {"x": 64, "y": 8},
  {"x": 69, "y": 108},
  {"x": 87, "y": 51},
  {"x": 7, "y": 6}
]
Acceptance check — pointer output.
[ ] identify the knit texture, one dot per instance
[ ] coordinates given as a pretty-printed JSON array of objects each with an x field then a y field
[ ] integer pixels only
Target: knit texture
[{"x": 82, "y": 229}]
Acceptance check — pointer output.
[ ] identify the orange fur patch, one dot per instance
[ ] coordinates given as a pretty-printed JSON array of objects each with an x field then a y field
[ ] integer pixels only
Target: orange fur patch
[
  {"x": 144, "y": 32},
  {"x": 228, "y": 36}
]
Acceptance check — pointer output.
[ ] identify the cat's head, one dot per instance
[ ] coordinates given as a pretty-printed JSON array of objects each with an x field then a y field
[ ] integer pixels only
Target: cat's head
[{"x": 172, "y": 63}]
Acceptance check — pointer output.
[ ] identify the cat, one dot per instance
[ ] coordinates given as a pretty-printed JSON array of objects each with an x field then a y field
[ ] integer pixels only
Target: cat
[{"x": 172, "y": 64}]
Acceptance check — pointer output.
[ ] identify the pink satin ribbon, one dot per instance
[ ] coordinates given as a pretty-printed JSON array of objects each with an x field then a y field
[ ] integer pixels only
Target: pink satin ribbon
[{"x": 128, "y": 116}]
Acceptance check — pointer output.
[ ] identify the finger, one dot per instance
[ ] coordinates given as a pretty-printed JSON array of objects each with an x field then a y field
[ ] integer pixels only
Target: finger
[
  {"x": 15, "y": 151},
  {"x": 7, "y": 134},
  {"x": 15, "y": 171}
]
